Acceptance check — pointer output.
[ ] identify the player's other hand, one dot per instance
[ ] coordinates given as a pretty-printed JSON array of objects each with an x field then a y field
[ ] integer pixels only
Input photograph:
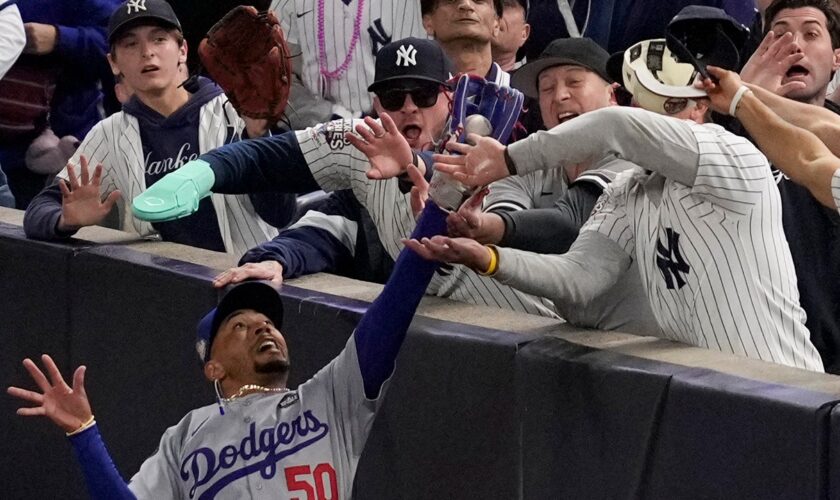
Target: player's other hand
[
  {"x": 387, "y": 150},
  {"x": 269, "y": 270},
  {"x": 81, "y": 203},
  {"x": 452, "y": 250},
  {"x": 67, "y": 406},
  {"x": 477, "y": 165},
  {"x": 771, "y": 61}
]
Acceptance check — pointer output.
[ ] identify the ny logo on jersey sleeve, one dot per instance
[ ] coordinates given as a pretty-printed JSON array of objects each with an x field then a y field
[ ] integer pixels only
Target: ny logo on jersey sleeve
[{"x": 670, "y": 261}]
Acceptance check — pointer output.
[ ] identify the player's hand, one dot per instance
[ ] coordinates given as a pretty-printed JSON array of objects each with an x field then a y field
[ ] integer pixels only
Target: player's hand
[
  {"x": 452, "y": 250},
  {"x": 471, "y": 222},
  {"x": 477, "y": 165},
  {"x": 67, "y": 407},
  {"x": 420, "y": 190},
  {"x": 269, "y": 270},
  {"x": 40, "y": 38},
  {"x": 81, "y": 203},
  {"x": 769, "y": 64},
  {"x": 387, "y": 150}
]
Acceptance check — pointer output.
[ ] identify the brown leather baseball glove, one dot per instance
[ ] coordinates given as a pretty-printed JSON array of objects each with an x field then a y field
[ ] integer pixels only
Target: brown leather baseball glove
[{"x": 246, "y": 54}]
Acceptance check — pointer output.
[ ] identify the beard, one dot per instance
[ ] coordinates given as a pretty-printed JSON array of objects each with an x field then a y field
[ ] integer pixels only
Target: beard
[{"x": 274, "y": 366}]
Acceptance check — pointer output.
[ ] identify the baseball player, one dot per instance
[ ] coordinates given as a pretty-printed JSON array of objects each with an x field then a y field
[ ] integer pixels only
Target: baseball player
[
  {"x": 323, "y": 157},
  {"x": 161, "y": 127},
  {"x": 263, "y": 440},
  {"x": 338, "y": 42},
  {"x": 699, "y": 214},
  {"x": 800, "y": 154}
]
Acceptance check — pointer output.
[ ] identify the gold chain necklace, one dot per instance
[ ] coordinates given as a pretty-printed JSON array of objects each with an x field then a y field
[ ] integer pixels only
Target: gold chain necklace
[{"x": 252, "y": 388}]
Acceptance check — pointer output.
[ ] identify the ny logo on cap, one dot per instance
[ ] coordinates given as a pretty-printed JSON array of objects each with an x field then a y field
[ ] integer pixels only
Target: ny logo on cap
[
  {"x": 407, "y": 56},
  {"x": 137, "y": 5}
]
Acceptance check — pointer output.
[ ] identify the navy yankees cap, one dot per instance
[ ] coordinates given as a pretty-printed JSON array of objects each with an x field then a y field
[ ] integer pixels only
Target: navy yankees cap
[
  {"x": 135, "y": 12},
  {"x": 577, "y": 51},
  {"x": 411, "y": 58},
  {"x": 701, "y": 35},
  {"x": 256, "y": 295}
]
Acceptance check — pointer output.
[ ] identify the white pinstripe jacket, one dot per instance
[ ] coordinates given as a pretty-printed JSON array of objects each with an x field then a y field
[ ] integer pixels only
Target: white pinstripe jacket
[{"x": 115, "y": 143}]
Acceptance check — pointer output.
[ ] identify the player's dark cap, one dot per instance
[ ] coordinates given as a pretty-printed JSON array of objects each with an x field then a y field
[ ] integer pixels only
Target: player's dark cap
[
  {"x": 701, "y": 35},
  {"x": 140, "y": 12},
  {"x": 563, "y": 51},
  {"x": 255, "y": 295},
  {"x": 411, "y": 58}
]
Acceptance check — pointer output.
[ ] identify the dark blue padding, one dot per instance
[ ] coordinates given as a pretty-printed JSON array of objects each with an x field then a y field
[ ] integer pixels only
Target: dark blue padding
[
  {"x": 33, "y": 320},
  {"x": 133, "y": 318},
  {"x": 615, "y": 426},
  {"x": 729, "y": 437},
  {"x": 587, "y": 419},
  {"x": 834, "y": 455},
  {"x": 447, "y": 427}
]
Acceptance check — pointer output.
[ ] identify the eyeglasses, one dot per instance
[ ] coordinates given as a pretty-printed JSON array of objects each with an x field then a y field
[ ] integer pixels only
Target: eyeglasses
[{"x": 423, "y": 97}]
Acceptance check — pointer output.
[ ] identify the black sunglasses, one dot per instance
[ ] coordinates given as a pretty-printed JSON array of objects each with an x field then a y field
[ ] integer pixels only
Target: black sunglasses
[{"x": 423, "y": 97}]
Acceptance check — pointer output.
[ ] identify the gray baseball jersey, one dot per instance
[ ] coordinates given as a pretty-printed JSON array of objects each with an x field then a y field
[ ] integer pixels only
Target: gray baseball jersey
[
  {"x": 835, "y": 188},
  {"x": 703, "y": 222},
  {"x": 380, "y": 22},
  {"x": 336, "y": 164},
  {"x": 298, "y": 444}
]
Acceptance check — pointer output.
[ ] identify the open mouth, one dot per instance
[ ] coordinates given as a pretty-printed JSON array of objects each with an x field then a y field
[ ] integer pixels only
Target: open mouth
[
  {"x": 797, "y": 71},
  {"x": 564, "y": 117},
  {"x": 268, "y": 345},
  {"x": 411, "y": 132},
  {"x": 149, "y": 69}
]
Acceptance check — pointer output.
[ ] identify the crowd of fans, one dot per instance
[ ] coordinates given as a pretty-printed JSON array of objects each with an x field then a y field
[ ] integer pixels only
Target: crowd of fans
[
  {"x": 709, "y": 216},
  {"x": 69, "y": 166}
]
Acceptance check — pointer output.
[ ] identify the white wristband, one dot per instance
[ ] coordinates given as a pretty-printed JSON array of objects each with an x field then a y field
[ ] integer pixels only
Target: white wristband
[{"x": 733, "y": 106}]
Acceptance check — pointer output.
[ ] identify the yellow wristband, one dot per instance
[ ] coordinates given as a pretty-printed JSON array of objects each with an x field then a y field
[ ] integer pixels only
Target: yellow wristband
[
  {"x": 85, "y": 425},
  {"x": 494, "y": 261}
]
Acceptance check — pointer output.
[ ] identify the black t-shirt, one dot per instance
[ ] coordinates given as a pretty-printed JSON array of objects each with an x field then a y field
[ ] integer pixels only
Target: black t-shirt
[{"x": 813, "y": 233}]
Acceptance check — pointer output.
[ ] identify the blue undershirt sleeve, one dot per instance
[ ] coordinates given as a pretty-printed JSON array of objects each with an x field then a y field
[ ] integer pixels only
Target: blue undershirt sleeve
[
  {"x": 101, "y": 476},
  {"x": 382, "y": 329}
]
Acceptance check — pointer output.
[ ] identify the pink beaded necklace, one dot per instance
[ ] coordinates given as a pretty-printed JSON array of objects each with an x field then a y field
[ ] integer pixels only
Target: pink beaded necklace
[{"x": 322, "y": 49}]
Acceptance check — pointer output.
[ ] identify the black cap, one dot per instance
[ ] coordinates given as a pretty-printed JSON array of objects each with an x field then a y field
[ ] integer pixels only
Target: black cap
[
  {"x": 135, "y": 12},
  {"x": 411, "y": 58},
  {"x": 255, "y": 295},
  {"x": 703, "y": 35},
  {"x": 578, "y": 51}
]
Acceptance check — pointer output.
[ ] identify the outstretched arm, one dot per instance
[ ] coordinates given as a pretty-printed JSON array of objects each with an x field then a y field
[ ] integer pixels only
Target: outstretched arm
[
  {"x": 382, "y": 329},
  {"x": 69, "y": 409},
  {"x": 663, "y": 144},
  {"x": 796, "y": 151}
]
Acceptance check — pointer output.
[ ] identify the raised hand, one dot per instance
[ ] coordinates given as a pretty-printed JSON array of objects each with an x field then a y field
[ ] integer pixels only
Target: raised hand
[
  {"x": 477, "y": 165},
  {"x": 81, "y": 203},
  {"x": 471, "y": 222},
  {"x": 67, "y": 407},
  {"x": 452, "y": 250},
  {"x": 769, "y": 64},
  {"x": 386, "y": 149},
  {"x": 420, "y": 190},
  {"x": 270, "y": 270}
]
